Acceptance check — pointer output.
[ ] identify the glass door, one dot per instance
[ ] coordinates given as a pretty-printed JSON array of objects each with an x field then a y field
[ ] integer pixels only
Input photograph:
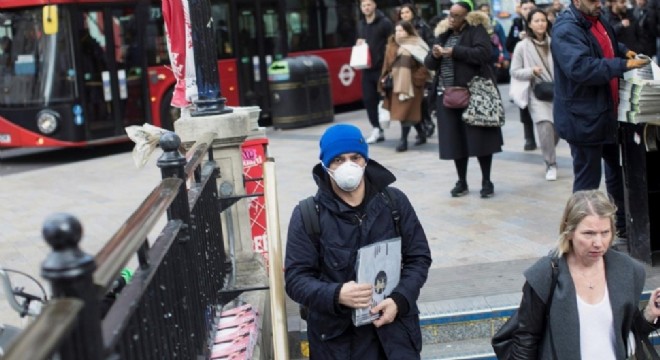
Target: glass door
[{"x": 259, "y": 41}]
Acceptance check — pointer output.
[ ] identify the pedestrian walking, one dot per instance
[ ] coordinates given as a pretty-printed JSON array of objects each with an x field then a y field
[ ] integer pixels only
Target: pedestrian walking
[
  {"x": 518, "y": 32},
  {"x": 408, "y": 13},
  {"x": 374, "y": 28},
  {"x": 588, "y": 62},
  {"x": 356, "y": 206},
  {"x": 590, "y": 310},
  {"x": 531, "y": 65},
  {"x": 403, "y": 79}
]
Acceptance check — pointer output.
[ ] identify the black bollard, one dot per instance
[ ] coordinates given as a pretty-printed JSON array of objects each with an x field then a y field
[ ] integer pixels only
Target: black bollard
[{"x": 70, "y": 272}]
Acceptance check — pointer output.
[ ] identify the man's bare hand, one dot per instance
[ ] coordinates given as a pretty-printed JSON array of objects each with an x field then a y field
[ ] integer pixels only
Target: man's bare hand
[
  {"x": 355, "y": 295},
  {"x": 636, "y": 63},
  {"x": 388, "y": 310}
]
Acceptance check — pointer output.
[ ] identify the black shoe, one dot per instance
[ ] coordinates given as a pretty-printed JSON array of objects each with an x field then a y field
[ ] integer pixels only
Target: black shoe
[
  {"x": 530, "y": 145},
  {"x": 430, "y": 128},
  {"x": 420, "y": 141},
  {"x": 403, "y": 146},
  {"x": 461, "y": 189},
  {"x": 487, "y": 189}
]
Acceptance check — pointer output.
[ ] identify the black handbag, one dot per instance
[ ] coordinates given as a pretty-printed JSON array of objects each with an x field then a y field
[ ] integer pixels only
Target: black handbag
[
  {"x": 544, "y": 90},
  {"x": 388, "y": 83},
  {"x": 502, "y": 341}
]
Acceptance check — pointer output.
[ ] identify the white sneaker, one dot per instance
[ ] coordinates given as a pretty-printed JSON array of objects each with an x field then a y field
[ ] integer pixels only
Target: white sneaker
[
  {"x": 377, "y": 135},
  {"x": 551, "y": 173}
]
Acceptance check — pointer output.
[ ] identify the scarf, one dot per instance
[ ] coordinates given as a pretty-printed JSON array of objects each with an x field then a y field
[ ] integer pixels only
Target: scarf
[
  {"x": 411, "y": 49},
  {"x": 599, "y": 31}
]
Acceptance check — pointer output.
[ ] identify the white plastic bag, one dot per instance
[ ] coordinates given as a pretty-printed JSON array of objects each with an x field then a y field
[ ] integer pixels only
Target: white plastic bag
[
  {"x": 146, "y": 138},
  {"x": 383, "y": 116},
  {"x": 360, "y": 57}
]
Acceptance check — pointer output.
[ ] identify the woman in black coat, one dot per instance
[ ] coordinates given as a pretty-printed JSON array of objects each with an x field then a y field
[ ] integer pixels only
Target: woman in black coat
[{"x": 461, "y": 51}]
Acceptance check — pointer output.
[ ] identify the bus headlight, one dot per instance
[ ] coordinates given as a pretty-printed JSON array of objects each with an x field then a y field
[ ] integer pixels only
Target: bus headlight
[{"x": 48, "y": 121}]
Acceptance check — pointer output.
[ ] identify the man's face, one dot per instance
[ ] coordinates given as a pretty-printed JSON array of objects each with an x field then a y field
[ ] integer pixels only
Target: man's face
[
  {"x": 485, "y": 9},
  {"x": 619, "y": 7},
  {"x": 368, "y": 7},
  {"x": 526, "y": 8},
  {"x": 640, "y": 3},
  {"x": 589, "y": 7}
]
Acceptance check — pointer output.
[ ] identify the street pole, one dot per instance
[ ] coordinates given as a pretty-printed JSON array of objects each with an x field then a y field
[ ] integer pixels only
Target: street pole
[{"x": 210, "y": 100}]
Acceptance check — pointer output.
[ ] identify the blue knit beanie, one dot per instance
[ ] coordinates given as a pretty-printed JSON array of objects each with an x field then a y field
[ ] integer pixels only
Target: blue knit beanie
[{"x": 342, "y": 139}]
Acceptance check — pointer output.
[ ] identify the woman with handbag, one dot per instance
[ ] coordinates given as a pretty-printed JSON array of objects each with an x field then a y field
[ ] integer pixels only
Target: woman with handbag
[
  {"x": 462, "y": 50},
  {"x": 593, "y": 312},
  {"x": 532, "y": 75},
  {"x": 402, "y": 81}
]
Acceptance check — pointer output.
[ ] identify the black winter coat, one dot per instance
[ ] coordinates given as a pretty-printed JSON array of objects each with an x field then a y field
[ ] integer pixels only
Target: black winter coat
[{"x": 314, "y": 273}]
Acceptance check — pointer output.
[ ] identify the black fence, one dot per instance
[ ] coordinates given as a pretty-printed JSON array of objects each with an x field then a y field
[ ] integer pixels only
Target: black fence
[{"x": 168, "y": 309}]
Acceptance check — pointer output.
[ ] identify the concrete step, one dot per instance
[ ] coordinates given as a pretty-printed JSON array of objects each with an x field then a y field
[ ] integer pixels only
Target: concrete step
[{"x": 459, "y": 350}]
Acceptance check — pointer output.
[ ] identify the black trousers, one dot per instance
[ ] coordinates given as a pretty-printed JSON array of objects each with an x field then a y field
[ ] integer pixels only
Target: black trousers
[
  {"x": 588, "y": 171},
  {"x": 370, "y": 95}
]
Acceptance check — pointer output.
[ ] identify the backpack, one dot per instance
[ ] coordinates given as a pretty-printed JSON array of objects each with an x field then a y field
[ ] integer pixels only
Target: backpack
[{"x": 309, "y": 210}]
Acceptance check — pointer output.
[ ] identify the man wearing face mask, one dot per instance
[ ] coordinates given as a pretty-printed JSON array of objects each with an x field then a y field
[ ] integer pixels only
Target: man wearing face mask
[{"x": 354, "y": 210}]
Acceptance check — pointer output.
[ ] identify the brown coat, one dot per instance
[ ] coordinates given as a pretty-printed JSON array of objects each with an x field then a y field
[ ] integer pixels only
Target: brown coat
[{"x": 408, "y": 110}]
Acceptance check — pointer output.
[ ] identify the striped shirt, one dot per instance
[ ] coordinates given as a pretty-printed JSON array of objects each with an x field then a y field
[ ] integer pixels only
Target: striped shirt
[{"x": 447, "y": 64}]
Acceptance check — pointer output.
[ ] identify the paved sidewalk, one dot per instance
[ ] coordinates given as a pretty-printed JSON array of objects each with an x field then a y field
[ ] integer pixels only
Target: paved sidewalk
[{"x": 473, "y": 240}]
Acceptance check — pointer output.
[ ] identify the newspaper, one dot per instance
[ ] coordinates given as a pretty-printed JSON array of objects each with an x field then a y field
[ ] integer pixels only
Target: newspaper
[
  {"x": 639, "y": 94},
  {"x": 378, "y": 264}
]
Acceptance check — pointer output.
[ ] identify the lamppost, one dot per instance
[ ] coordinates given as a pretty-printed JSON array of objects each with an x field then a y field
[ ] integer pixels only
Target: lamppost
[{"x": 210, "y": 100}]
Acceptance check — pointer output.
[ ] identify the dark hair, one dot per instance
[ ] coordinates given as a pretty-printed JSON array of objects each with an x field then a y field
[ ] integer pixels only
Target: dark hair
[
  {"x": 464, "y": 4},
  {"x": 522, "y": 2},
  {"x": 411, "y": 7},
  {"x": 529, "y": 20},
  {"x": 408, "y": 27}
]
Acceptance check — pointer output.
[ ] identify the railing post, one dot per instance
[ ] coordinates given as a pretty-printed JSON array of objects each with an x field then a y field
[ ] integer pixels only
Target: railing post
[
  {"x": 70, "y": 273},
  {"x": 172, "y": 165}
]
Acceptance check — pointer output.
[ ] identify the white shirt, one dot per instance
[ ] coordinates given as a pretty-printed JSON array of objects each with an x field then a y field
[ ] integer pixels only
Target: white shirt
[{"x": 597, "y": 339}]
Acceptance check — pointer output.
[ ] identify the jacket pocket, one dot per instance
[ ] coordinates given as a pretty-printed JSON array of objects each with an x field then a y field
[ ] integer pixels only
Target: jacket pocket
[
  {"x": 336, "y": 259},
  {"x": 591, "y": 122}
]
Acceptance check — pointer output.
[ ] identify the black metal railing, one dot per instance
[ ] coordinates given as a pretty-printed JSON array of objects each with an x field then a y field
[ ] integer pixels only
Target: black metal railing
[{"x": 168, "y": 309}]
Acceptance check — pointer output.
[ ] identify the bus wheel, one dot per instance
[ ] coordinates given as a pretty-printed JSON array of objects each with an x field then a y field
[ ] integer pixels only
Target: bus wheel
[{"x": 168, "y": 114}]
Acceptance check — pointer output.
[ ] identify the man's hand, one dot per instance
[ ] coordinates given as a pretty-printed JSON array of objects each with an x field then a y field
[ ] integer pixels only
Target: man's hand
[
  {"x": 436, "y": 51},
  {"x": 630, "y": 54},
  {"x": 354, "y": 295},
  {"x": 652, "y": 310},
  {"x": 387, "y": 309},
  {"x": 636, "y": 63},
  {"x": 625, "y": 23},
  {"x": 522, "y": 34}
]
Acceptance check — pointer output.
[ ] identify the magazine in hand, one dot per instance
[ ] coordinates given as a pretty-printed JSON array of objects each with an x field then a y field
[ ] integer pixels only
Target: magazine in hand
[{"x": 378, "y": 264}]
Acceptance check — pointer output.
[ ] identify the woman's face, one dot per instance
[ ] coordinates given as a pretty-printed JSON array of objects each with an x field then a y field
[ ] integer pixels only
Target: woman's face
[
  {"x": 399, "y": 32},
  {"x": 457, "y": 15},
  {"x": 539, "y": 25},
  {"x": 406, "y": 14},
  {"x": 592, "y": 238}
]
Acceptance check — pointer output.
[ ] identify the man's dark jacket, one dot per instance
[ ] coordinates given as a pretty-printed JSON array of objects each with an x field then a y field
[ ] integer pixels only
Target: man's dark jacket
[
  {"x": 314, "y": 272},
  {"x": 625, "y": 35},
  {"x": 583, "y": 110},
  {"x": 376, "y": 35}
]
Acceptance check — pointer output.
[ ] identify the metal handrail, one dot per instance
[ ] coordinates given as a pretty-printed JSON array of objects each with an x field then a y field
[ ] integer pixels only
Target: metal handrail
[
  {"x": 118, "y": 251},
  {"x": 55, "y": 321},
  {"x": 197, "y": 152}
]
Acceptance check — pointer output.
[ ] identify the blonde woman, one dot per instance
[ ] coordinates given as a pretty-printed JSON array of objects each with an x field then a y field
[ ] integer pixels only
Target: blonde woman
[{"x": 594, "y": 310}]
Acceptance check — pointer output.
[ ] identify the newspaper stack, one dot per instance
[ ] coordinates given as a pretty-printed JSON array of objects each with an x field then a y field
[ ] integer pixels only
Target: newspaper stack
[{"x": 639, "y": 91}]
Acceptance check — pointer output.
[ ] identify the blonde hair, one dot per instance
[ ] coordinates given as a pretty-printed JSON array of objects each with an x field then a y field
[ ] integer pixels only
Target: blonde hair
[{"x": 580, "y": 205}]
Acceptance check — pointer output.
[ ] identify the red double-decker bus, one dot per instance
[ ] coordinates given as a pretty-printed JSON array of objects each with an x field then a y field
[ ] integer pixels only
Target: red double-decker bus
[{"x": 106, "y": 65}]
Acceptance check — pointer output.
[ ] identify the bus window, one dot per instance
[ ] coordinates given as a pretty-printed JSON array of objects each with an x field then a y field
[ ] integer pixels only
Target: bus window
[
  {"x": 314, "y": 25},
  {"x": 156, "y": 44},
  {"x": 221, "y": 21},
  {"x": 34, "y": 68}
]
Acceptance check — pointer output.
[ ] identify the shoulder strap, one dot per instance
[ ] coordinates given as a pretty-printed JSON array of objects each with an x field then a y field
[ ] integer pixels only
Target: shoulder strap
[
  {"x": 555, "y": 275},
  {"x": 390, "y": 199},
  {"x": 310, "y": 217}
]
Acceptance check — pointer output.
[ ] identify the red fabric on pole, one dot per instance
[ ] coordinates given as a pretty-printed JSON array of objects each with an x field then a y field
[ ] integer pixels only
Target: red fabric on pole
[{"x": 175, "y": 24}]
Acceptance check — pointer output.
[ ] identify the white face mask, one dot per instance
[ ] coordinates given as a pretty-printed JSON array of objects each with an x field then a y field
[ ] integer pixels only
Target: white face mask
[{"x": 347, "y": 176}]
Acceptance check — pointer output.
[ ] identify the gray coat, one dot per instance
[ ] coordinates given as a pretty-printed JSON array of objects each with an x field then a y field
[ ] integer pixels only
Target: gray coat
[{"x": 625, "y": 282}]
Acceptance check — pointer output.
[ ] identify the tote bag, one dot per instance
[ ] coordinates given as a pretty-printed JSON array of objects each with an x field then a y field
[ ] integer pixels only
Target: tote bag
[{"x": 360, "y": 57}]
